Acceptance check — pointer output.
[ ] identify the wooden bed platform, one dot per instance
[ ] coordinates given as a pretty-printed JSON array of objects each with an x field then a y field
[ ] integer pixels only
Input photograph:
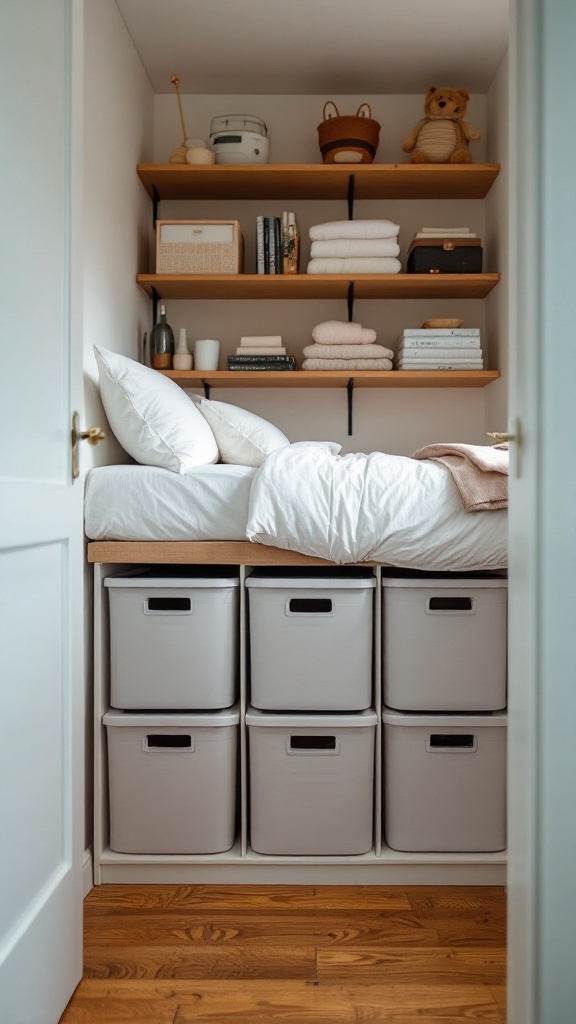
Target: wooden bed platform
[{"x": 214, "y": 552}]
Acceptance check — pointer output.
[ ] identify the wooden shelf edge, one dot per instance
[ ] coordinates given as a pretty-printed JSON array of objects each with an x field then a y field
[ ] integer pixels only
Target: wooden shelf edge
[
  {"x": 318, "y": 286},
  {"x": 319, "y": 181},
  {"x": 333, "y": 378}
]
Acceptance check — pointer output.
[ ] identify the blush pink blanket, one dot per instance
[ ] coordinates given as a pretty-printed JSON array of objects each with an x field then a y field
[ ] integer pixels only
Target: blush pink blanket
[{"x": 480, "y": 472}]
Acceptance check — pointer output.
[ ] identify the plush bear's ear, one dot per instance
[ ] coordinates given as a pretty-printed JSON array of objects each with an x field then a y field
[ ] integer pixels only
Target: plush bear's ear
[
  {"x": 464, "y": 94},
  {"x": 431, "y": 91}
]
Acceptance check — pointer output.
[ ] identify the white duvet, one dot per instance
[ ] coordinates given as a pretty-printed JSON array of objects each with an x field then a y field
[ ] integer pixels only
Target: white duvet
[{"x": 383, "y": 508}]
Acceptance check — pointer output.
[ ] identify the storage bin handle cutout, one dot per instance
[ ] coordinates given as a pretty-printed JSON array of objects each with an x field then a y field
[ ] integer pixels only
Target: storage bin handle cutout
[
  {"x": 313, "y": 745},
  {"x": 168, "y": 743},
  {"x": 451, "y": 743},
  {"x": 451, "y": 605},
  {"x": 168, "y": 606},
  {"x": 309, "y": 606}
]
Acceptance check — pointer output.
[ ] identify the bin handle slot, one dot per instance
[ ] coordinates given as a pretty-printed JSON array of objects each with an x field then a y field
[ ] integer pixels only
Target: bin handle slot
[
  {"x": 313, "y": 745},
  {"x": 462, "y": 743},
  {"x": 168, "y": 741},
  {"x": 309, "y": 606},
  {"x": 451, "y": 604},
  {"x": 169, "y": 604}
]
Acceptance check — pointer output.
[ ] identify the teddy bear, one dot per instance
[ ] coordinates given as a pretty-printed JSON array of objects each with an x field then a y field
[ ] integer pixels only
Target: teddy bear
[{"x": 442, "y": 136}]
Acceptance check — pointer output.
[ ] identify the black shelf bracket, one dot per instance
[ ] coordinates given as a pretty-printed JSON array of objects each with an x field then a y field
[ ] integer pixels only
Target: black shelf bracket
[
  {"x": 155, "y": 205},
  {"x": 155, "y": 300},
  {"x": 350, "y": 390},
  {"x": 350, "y": 301},
  {"x": 351, "y": 185},
  {"x": 206, "y": 387}
]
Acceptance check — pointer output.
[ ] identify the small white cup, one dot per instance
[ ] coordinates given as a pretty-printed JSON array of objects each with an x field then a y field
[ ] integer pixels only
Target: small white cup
[{"x": 206, "y": 354}]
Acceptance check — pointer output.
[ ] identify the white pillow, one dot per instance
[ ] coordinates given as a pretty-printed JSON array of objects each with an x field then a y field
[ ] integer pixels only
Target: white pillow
[
  {"x": 153, "y": 419},
  {"x": 243, "y": 438}
]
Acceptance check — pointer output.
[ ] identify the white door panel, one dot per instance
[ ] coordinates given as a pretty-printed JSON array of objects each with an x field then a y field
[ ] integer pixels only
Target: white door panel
[{"x": 41, "y": 540}]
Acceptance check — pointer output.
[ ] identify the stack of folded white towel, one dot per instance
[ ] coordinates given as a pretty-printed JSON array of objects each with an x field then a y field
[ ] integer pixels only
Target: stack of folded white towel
[
  {"x": 354, "y": 247},
  {"x": 345, "y": 346}
]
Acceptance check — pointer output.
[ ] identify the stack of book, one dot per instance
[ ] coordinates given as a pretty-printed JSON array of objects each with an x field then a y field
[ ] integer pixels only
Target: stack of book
[
  {"x": 277, "y": 244},
  {"x": 439, "y": 349},
  {"x": 261, "y": 353}
]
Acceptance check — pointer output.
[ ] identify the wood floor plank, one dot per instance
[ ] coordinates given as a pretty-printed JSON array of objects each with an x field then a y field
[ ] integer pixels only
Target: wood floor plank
[
  {"x": 431, "y": 966},
  {"x": 199, "y": 962},
  {"x": 246, "y": 897},
  {"x": 460, "y": 897},
  {"x": 285, "y": 1002},
  {"x": 289, "y": 928}
]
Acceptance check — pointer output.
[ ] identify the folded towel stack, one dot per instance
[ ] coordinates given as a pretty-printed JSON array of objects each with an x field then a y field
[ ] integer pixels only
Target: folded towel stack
[
  {"x": 354, "y": 247},
  {"x": 439, "y": 349},
  {"x": 345, "y": 346}
]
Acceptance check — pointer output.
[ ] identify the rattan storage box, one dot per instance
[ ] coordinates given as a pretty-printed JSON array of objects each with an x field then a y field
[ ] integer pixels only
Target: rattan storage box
[{"x": 199, "y": 247}]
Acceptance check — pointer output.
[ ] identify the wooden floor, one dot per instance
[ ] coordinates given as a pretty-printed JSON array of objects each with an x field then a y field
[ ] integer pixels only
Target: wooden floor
[{"x": 166, "y": 954}]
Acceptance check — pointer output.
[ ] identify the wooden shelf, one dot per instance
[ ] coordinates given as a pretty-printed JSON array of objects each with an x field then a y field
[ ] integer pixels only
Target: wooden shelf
[
  {"x": 318, "y": 286},
  {"x": 318, "y": 181},
  {"x": 333, "y": 378}
]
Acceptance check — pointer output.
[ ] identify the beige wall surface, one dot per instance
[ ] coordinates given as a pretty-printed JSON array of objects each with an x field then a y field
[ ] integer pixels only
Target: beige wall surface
[{"x": 497, "y": 248}]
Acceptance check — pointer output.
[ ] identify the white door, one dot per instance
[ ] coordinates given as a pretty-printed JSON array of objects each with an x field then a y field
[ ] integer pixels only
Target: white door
[
  {"x": 542, "y": 713},
  {"x": 41, "y": 661}
]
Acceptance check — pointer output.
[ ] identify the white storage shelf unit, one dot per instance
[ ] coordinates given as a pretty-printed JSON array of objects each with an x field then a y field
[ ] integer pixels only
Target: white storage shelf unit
[{"x": 379, "y": 866}]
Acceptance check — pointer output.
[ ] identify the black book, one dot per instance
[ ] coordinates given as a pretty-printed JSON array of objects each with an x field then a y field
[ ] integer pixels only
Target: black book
[{"x": 261, "y": 366}]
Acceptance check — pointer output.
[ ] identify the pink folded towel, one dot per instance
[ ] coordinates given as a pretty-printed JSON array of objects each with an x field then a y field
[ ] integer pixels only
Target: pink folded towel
[
  {"x": 355, "y": 265},
  {"x": 341, "y": 248},
  {"x": 480, "y": 472},
  {"x": 347, "y": 364},
  {"x": 338, "y": 332},
  {"x": 347, "y": 352},
  {"x": 353, "y": 229}
]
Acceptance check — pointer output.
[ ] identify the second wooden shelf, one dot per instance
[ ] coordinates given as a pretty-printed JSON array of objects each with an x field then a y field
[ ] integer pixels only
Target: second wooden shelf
[
  {"x": 318, "y": 286},
  {"x": 332, "y": 378}
]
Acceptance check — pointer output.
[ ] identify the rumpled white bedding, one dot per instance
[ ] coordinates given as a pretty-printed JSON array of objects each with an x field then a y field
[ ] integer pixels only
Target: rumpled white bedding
[
  {"x": 385, "y": 508},
  {"x": 350, "y": 508}
]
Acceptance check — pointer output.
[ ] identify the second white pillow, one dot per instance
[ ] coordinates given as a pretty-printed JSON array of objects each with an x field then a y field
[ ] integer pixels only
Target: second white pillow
[{"x": 243, "y": 438}]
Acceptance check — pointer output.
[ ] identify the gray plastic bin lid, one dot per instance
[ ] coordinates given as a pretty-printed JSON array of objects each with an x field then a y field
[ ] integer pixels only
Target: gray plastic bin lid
[
  {"x": 443, "y": 720},
  {"x": 202, "y": 577},
  {"x": 464, "y": 582},
  {"x": 295, "y": 720},
  {"x": 172, "y": 719},
  {"x": 311, "y": 582}
]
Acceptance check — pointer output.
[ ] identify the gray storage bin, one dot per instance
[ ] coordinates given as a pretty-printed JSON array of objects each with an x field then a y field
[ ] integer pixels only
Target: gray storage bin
[
  {"x": 173, "y": 640},
  {"x": 444, "y": 782},
  {"x": 172, "y": 781},
  {"x": 311, "y": 783},
  {"x": 311, "y": 641},
  {"x": 444, "y": 643}
]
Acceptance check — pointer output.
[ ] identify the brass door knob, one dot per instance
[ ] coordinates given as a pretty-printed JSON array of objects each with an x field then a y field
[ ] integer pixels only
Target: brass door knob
[
  {"x": 500, "y": 438},
  {"x": 94, "y": 435}
]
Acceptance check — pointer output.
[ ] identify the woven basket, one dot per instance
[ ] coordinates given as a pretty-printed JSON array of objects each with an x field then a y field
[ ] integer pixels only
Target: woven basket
[{"x": 348, "y": 140}]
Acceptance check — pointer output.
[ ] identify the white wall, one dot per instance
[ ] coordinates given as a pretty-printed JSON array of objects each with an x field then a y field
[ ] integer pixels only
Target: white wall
[
  {"x": 395, "y": 421},
  {"x": 117, "y": 220}
]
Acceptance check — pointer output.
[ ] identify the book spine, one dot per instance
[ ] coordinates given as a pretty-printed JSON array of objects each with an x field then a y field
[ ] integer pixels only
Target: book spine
[
  {"x": 290, "y": 243},
  {"x": 271, "y": 245},
  {"x": 428, "y": 344},
  {"x": 262, "y": 366},
  {"x": 260, "y": 267},
  {"x": 440, "y": 353},
  {"x": 278, "y": 261},
  {"x": 441, "y": 332},
  {"x": 266, "y": 246},
  {"x": 260, "y": 359}
]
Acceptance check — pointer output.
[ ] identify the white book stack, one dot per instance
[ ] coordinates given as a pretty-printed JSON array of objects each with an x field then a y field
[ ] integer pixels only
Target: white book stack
[{"x": 439, "y": 349}]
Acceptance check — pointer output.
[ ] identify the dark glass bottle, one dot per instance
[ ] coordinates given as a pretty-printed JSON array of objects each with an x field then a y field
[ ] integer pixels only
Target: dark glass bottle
[{"x": 161, "y": 343}]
